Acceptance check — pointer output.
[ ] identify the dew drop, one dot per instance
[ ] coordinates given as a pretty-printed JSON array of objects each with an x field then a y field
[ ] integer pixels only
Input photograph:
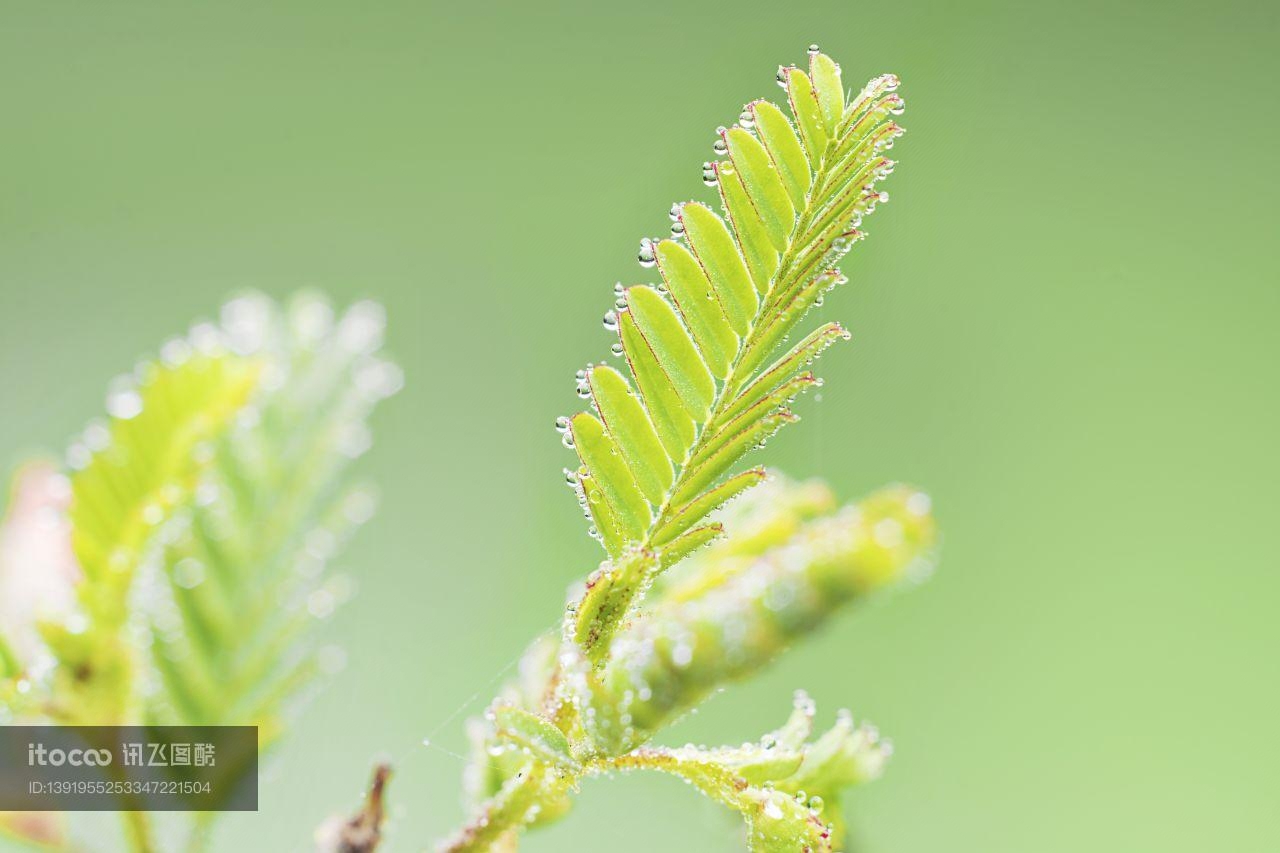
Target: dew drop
[
  {"x": 646, "y": 256},
  {"x": 78, "y": 456},
  {"x": 888, "y": 533},
  {"x": 188, "y": 573},
  {"x": 677, "y": 229},
  {"x": 709, "y": 176},
  {"x": 360, "y": 329},
  {"x": 152, "y": 514},
  {"x": 611, "y": 324},
  {"x": 175, "y": 352},
  {"x": 562, "y": 424},
  {"x": 321, "y": 604},
  {"x": 616, "y": 349},
  {"x": 123, "y": 400}
]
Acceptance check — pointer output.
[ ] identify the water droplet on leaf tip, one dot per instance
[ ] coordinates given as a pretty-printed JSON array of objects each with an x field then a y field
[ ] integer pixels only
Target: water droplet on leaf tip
[{"x": 646, "y": 255}]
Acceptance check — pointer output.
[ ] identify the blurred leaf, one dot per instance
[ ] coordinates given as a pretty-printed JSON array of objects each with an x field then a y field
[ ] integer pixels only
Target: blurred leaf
[
  {"x": 133, "y": 473},
  {"x": 242, "y": 579}
]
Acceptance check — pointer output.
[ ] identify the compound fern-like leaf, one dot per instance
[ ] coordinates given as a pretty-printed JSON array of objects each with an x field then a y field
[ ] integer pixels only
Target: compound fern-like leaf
[{"x": 659, "y": 452}]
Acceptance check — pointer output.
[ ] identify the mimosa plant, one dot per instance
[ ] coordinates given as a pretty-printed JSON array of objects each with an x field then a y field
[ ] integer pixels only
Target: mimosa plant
[{"x": 691, "y": 596}]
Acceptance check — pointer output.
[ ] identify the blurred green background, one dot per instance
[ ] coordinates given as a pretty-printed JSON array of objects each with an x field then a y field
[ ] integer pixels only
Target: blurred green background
[{"x": 1065, "y": 329}]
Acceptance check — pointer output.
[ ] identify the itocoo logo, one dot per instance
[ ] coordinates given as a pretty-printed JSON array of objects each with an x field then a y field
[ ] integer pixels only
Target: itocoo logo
[{"x": 37, "y": 754}]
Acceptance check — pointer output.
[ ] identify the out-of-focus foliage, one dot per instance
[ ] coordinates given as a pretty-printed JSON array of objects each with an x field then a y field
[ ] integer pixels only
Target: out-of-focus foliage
[
  {"x": 198, "y": 523},
  {"x": 657, "y": 460}
]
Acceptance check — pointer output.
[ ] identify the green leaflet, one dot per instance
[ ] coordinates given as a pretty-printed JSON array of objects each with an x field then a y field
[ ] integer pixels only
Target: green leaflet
[
  {"x": 686, "y": 543},
  {"x": 808, "y": 115},
  {"x": 713, "y": 246},
  {"x": 673, "y": 349},
  {"x": 785, "y": 150},
  {"x": 611, "y": 591},
  {"x": 763, "y": 185},
  {"x": 699, "y": 305},
  {"x": 776, "y": 400},
  {"x": 788, "y": 314},
  {"x": 828, "y": 89},
  {"x": 632, "y": 430},
  {"x": 674, "y": 424},
  {"x": 690, "y": 513},
  {"x": 604, "y": 460},
  {"x": 607, "y": 526},
  {"x": 776, "y": 823},
  {"x": 706, "y": 467},
  {"x": 800, "y": 356},
  {"x": 844, "y": 756},
  {"x": 753, "y": 237}
]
